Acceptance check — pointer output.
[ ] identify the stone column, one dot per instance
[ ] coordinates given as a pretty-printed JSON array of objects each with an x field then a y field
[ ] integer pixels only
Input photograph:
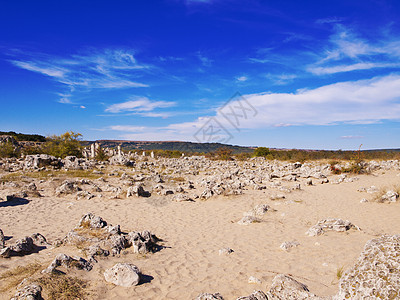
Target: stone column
[{"x": 92, "y": 151}]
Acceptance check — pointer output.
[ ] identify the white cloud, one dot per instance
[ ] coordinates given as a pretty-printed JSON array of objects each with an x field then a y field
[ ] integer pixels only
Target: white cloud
[
  {"x": 127, "y": 128},
  {"x": 281, "y": 79},
  {"x": 141, "y": 104},
  {"x": 348, "y": 52},
  {"x": 108, "y": 69},
  {"x": 351, "y": 137},
  {"x": 45, "y": 70},
  {"x": 205, "y": 61},
  {"x": 353, "y": 102},
  {"x": 353, "y": 67},
  {"x": 242, "y": 78}
]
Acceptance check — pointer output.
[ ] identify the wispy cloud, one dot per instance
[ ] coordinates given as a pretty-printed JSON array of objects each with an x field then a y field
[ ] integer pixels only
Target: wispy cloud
[
  {"x": 347, "y": 52},
  {"x": 281, "y": 79},
  {"x": 352, "y": 102},
  {"x": 242, "y": 78},
  {"x": 205, "y": 61},
  {"x": 107, "y": 69},
  {"x": 351, "y": 137},
  {"x": 140, "y": 105}
]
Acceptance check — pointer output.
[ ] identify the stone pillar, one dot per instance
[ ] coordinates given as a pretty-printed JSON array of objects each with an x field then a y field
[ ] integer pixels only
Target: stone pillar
[
  {"x": 119, "y": 150},
  {"x": 152, "y": 154},
  {"x": 144, "y": 153},
  {"x": 92, "y": 151}
]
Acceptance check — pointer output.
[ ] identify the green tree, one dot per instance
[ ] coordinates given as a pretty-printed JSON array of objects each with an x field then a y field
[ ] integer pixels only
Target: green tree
[
  {"x": 7, "y": 149},
  {"x": 101, "y": 155},
  {"x": 67, "y": 144},
  {"x": 262, "y": 151}
]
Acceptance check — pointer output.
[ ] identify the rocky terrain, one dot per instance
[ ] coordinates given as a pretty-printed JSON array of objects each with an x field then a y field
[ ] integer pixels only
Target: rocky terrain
[{"x": 192, "y": 228}]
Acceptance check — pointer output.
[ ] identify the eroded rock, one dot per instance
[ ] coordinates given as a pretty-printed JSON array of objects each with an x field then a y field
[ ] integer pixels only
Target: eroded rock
[{"x": 123, "y": 274}]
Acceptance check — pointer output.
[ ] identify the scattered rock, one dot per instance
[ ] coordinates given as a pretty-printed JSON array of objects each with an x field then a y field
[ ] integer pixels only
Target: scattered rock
[
  {"x": 254, "y": 280},
  {"x": 289, "y": 245},
  {"x": 390, "y": 196},
  {"x": 225, "y": 251},
  {"x": 68, "y": 262},
  {"x": 67, "y": 187},
  {"x": 286, "y": 288},
  {"x": 257, "y": 295},
  {"x": 207, "y": 296},
  {"x": 246, "y": 220},
  {"x": 331, "y": 224},
  {"x": 123, "y": 274}
]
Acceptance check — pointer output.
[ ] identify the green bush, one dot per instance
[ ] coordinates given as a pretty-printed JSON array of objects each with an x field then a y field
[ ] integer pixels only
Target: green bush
[
  {"x": 262, "y": 151},
  {"x": 67, "y": 144},
  {"x": 7, "y": 149}
]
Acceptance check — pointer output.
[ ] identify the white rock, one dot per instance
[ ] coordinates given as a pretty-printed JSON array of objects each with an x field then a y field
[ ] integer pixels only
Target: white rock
[
  {"x": 255, "y": 280},
  {"x": 123, "y": 274}
]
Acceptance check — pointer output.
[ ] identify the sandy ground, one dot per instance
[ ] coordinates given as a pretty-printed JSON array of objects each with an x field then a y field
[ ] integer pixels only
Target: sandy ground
[{"x": 193, "y": 232}]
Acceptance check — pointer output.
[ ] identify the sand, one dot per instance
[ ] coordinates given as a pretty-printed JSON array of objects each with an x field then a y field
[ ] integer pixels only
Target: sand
[{"x": 193, "y": 232}]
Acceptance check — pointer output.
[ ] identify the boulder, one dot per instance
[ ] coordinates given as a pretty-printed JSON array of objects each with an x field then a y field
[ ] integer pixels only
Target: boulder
[
  {"x": 89, "y": 220},
  {"x": 31, "y": 291},
  {"x": 376, "y": 273},
  {"x": 40, "y": 160},
  {"x": 143, "y": 242},
  {"x": 286, "y": 288},
  {"x": 331, "y": 224},
  {"x": 67, "y": 187},
  {"x": 123, "y": 274},
  {"x": 120, "y": 160},
  {"x": 69, "y": 262}
]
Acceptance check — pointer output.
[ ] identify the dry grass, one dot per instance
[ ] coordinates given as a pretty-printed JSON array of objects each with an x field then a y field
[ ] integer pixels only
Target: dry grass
[
  {"x": 92, "y": 232},
  {"x": 88, "y": 174},
  {"x": 11, "y": 278},
  {"x": 63, "y": 287},
  {"x": 339, "y": 272},
  {"x": 179, "y": 179}
]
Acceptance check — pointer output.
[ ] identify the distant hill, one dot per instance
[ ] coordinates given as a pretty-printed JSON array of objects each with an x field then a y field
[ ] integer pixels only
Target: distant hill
[
  {"x": 22, "y": 137},
  {"x": 172, "y": 145}
]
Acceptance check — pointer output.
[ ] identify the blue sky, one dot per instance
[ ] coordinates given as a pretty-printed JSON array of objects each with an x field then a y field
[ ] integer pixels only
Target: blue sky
[{"x": 310, "y": 74}]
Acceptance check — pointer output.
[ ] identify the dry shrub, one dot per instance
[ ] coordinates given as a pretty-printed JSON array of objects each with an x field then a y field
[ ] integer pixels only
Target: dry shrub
[
  {"x": 58, "y": 286},
  {"x": 11, "y": 278}
]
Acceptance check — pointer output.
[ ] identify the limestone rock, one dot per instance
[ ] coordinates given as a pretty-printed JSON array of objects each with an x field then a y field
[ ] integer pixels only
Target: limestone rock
[
  {"x": 91, "y": 221},
  {"x": 376, "y": 273},
  {"x": 123, "y": 274},
  {"x": 68, "y": 262},
  {"x": 143, "y": 242},
  {"x": 2, "y": 240},
  {"x": 67, "y": 187},
  {"x": 331, "y": 224},
  {"x": 390, "y": 196},
  {"x": 286, "y": 288},
  {"x": 137, "y": 190},
  {"x": 208, "y": 296},
  {"x": 246, "y": 220},
  {"x": 40, "y": 160},
  {"x": 31, "y": 291},
  {"x": 121, "y": 161},
  {"x": 225, "y": 251},
  {"x": 257, "y": 295},
  {"x": 289, "y": 245}
]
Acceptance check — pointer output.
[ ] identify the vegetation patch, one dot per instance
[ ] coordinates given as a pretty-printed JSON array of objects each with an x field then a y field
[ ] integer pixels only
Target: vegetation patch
[
  {"x": 11, "y": 278},
  {"x": 57, "y": 286}
]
